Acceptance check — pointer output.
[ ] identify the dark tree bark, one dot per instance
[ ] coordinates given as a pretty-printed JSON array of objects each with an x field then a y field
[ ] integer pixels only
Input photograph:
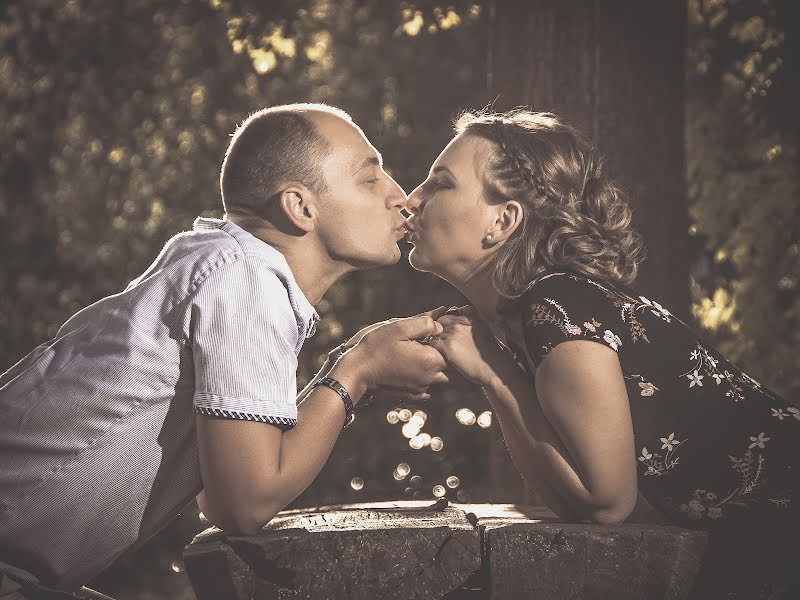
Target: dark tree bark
[{"x": 616, "y": 71}]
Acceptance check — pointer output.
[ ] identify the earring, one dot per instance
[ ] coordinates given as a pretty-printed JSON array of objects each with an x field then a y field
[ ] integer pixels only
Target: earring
[{"x": 489, "y": 237}]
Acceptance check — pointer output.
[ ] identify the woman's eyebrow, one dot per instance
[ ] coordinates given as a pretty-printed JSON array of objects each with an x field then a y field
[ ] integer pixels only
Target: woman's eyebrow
[{"x": 442, "y": 169}]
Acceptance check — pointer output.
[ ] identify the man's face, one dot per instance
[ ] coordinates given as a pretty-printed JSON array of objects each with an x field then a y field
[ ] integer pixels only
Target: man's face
[{"x": 360, "y": 220}]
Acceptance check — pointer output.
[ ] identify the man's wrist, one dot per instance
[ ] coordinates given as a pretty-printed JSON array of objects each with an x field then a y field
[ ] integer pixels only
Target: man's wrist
[{"x": 350, "y": 373}]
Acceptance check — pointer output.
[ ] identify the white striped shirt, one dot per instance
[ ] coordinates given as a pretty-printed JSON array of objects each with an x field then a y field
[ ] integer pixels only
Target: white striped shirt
[{"x": 97, "y": 442}]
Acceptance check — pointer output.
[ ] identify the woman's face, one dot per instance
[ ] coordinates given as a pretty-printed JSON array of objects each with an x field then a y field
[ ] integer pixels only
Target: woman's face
[{"x": 450, "y": 217}]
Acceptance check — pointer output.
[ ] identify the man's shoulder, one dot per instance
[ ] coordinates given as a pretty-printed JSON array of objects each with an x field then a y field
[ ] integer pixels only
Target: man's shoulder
[{"x": 205, "y": 252}]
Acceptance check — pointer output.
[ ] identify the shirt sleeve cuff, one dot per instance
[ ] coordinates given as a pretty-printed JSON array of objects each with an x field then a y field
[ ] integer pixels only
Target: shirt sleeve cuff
[{"x": 227, "y": 407}]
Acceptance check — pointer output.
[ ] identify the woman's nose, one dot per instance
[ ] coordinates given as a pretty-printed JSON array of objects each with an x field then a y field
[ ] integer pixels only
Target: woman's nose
[{"x": 414, "y": 203}]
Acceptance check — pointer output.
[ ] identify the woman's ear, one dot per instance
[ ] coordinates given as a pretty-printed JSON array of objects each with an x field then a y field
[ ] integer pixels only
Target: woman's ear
[
  {"x": 507, "y": 219},
  {"x": 298, "y": 205}
]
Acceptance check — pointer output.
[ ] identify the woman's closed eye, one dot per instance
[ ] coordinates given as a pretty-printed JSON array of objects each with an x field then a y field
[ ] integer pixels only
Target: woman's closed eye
[{"x": 438, "y": 184}]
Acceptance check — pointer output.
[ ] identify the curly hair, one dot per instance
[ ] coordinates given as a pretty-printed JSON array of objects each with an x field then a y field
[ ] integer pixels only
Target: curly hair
[{"x": 574, "y": 217}]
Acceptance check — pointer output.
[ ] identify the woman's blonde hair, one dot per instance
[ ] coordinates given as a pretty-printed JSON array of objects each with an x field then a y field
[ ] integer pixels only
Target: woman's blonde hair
[{"x": 574, "y": 217}]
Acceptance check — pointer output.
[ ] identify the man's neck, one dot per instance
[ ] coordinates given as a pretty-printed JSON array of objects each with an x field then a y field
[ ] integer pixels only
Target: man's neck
[{"x": 312, "y": 268}]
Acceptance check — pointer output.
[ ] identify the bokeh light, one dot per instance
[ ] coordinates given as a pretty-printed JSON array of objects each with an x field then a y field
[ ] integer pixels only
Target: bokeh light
[
  {"x": 485, "y": 419},
  {"x": 465, "y": 416},
  {"x": 357, "y": 483},
  {"x": 453, "y": 481},
  {"x": 439, "y": 491},
  {"x": 411, "y": 429}
]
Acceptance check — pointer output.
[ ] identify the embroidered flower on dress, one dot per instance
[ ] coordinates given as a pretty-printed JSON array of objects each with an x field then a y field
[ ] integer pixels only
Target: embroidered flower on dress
[
  {"x": 612, "y": 339},
  {"x": 750, "y": 380},
  {"x": 669, "y": 442},
  {"x": 648, "y": 389},
  {"x": 715, "y": 512},
  {"x": 590, "y": 326},
  {"x": 795, "y": 412},
  {"x": 695, "y": 354},
  {"x": 694, "y": 509},
  {"x": 759, "y": 441},
  {"x": 574, "y": 330},
  {"x": 778, "y": 412},
  {"x": 656, "y": 309},
  {"x": 660, "y": 464},
  {"x": 695, "y": 379},
  {"x": 718, "y": 378}
]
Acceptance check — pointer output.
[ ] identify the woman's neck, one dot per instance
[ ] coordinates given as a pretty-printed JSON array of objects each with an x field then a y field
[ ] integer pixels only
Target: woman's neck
[{"x": 482, "y": 295}]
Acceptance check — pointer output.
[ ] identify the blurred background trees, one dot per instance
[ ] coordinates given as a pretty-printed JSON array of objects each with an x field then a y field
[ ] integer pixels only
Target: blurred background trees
[{"x": 115, "y": 115}]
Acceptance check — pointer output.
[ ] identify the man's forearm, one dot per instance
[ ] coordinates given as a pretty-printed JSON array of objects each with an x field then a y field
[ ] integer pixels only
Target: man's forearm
[{"x": 306, "y": 447}]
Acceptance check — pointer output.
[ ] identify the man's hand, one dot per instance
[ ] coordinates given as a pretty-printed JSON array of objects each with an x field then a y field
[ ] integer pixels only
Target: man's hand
[
  {"x": 434, "y": 314},
  {"x": 390, "y": 356}
]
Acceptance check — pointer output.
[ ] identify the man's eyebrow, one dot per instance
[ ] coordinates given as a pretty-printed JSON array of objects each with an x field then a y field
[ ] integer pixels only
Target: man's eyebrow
[{"x": 374, "y": 160}]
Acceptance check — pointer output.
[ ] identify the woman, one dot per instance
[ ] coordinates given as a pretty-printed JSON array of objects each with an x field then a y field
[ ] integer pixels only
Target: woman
[{"x": 603, "y": 396}]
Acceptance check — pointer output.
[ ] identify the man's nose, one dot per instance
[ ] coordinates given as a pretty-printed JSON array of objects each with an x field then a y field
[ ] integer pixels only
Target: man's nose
[{"x": 397, "y": 197}]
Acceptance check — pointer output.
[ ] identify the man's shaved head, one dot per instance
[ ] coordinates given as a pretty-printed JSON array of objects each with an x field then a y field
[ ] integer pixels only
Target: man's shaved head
[{"x": 271, "y": 147}]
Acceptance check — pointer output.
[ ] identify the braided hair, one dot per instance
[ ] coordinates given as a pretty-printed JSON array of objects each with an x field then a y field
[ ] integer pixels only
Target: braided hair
[{"x": 574, "y": 217}]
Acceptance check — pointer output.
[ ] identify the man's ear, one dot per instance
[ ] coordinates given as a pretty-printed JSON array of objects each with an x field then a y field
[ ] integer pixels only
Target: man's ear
[
  {"x": 507, "y": 219},
  {"x": 298, "y": 205}
]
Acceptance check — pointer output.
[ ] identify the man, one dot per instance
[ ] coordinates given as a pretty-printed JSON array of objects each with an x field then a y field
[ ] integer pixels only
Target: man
[{"x": 186, "y": 379}]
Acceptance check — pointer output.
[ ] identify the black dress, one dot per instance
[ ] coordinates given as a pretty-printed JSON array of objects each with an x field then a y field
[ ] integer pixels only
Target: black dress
[{"x": 715, "y": 449}]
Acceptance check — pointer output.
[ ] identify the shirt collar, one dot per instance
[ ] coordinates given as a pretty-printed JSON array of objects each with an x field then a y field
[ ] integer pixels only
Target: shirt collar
[{"x": 303, "y": 309}]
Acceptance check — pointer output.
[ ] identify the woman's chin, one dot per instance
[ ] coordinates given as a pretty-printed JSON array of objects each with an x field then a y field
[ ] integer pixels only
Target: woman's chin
[{"x": 417, "y": 260}]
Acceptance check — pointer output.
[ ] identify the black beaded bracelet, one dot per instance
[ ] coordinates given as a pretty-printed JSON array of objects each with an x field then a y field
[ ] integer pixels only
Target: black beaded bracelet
[{"x": 337, "y": 387}]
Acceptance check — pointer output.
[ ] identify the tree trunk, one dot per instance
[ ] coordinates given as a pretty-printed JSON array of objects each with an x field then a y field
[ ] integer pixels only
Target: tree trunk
[{"x": 616, "y": 71}]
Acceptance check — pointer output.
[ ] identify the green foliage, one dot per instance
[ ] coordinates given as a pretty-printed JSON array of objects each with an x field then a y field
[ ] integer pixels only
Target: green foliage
[
  {"x": 114, "y": 118},
  {"x": 743, "y": 187}
]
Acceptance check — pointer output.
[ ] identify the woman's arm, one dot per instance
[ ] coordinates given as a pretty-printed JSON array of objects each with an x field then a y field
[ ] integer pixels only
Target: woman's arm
[
  {"x": 571, "y": 435},
  {"x": 569, "y": 431}
]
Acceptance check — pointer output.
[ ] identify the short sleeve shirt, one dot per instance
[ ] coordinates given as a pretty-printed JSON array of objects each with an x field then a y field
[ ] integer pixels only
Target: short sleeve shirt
[{"x": 97, "y": 425}]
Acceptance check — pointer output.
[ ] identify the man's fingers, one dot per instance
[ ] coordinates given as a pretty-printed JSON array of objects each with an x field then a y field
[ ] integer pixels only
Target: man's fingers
[
  {"x": 440, "y": 377},
  {"x": 452, "y": 319},
  {"x": 417, "y": 328},
  {"x": 434, "y": 313},
  {"x": 400, "y": 396}
]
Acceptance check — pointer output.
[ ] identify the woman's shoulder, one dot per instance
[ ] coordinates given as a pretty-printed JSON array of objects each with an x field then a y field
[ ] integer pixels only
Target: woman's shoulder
[
  {"x": 574, "y": 287},
  {"x": 563, "y": 306}
]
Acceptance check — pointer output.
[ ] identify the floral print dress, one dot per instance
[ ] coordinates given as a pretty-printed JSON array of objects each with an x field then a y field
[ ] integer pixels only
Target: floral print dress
[{"x": 714, "y": 448}]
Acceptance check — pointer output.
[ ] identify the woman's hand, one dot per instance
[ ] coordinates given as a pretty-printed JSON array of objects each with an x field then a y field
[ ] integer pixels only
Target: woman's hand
[{"x": 468, "y": 346}]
